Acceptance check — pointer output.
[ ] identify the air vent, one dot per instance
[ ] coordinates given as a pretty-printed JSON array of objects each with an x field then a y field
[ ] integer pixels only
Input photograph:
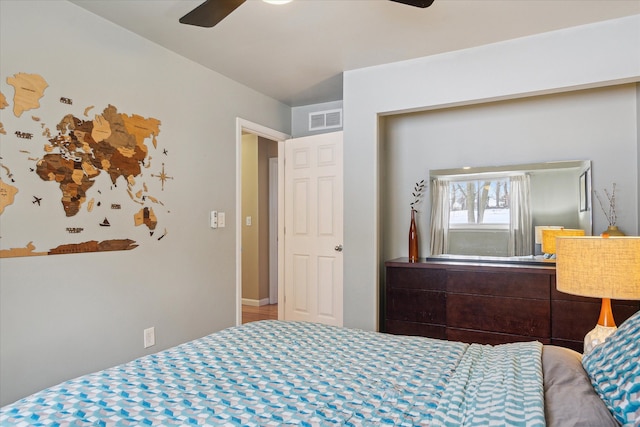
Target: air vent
[{"x": 329, "y": 119}]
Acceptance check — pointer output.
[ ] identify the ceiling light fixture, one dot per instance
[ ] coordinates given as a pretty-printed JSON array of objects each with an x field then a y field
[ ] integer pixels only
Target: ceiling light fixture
[{"x": 276, "y": 1}]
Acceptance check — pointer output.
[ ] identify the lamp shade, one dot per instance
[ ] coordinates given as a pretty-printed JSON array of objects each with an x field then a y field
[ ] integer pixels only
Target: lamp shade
[
  {"x": 538, "y": 231},
  {"x": 549, "y": 237},
  {"x": 599, "y": 267}
]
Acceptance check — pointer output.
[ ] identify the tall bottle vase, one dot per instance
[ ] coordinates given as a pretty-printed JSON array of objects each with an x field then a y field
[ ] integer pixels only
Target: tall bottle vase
[{"x": 413, "y": 238}]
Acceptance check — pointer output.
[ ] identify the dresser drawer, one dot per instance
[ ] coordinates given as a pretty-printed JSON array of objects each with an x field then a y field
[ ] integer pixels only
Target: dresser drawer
[
  {"x": 572, "y": 320},
  {"x": 416, "y": 306},
  {"x": 518, "y": 316},
  {"x": 416, "y": 278},
  {"x": 506, "y": 284}
]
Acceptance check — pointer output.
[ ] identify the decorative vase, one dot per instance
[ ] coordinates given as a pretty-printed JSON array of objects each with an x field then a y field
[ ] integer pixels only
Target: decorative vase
[
  {"x": 612, "y": 230},
  {"x": 413, "y": 238}
]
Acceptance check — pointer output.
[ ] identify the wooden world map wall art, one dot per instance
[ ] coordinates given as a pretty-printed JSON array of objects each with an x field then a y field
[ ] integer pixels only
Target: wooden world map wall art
[{"x": 86, "y": 184}]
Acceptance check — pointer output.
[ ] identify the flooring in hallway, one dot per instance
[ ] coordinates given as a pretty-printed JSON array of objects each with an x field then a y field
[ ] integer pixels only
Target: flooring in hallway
[{"x": 252, "y": 313}]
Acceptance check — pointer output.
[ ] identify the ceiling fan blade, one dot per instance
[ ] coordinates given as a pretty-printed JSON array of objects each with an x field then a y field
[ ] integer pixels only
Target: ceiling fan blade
[
  {"x": 210, "y": 12},
  {"x": 416, "y": 3}
]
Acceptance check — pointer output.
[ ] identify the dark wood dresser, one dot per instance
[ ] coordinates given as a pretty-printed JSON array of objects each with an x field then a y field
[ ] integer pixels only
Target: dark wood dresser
[{"x": 488, "y": 303}]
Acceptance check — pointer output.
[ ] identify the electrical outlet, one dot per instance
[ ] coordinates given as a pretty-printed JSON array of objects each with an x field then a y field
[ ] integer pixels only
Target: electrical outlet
[{"x": 149, "y": 337}]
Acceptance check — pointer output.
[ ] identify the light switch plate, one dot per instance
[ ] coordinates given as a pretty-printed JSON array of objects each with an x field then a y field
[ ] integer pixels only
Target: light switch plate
[{"x": 214, "y": 219}]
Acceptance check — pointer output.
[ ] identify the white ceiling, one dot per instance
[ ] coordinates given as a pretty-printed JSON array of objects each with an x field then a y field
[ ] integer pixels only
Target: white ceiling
[{"x": 296, "y": 53}]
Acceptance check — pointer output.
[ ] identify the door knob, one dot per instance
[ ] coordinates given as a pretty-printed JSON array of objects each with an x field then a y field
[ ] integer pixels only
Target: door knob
[{"x": 338, "y": 248}]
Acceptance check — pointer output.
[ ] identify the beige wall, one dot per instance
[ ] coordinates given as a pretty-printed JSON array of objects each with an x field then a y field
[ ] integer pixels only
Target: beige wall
[
  {"x": 266, "y": 150},
  {"x": 256, "y": 152},
  {"x": 250, "y": 237}
]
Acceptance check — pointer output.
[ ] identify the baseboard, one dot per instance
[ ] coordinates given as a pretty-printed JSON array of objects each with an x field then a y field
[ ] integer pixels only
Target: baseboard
[{"x": 255, "y": 302}]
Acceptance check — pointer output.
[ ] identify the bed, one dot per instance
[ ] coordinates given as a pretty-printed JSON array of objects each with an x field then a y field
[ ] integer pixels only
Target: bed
[{"x": 273, "y": 373}]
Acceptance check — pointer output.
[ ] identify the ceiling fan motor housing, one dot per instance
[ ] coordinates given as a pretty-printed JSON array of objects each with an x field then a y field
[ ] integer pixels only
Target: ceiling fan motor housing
[{"x": 416, "y": 3}]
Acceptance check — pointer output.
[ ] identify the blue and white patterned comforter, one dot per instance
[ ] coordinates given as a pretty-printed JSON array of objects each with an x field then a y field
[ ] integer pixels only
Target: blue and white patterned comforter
[{"x": 274, "y": 373}]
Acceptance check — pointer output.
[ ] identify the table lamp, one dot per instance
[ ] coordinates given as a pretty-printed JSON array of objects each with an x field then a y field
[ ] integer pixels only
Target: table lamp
[
  {"x": 599, "y": 267},
  {"x": 538, "y": 231},
  {"x": 549, "y": 239}
]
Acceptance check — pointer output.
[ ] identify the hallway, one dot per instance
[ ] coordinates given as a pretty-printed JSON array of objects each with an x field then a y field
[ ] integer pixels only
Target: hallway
[{"x": 252, "y": 313}]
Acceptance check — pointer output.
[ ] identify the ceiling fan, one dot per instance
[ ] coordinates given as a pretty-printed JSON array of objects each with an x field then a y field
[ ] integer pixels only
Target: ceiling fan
[{"x": 211, "y": 12}]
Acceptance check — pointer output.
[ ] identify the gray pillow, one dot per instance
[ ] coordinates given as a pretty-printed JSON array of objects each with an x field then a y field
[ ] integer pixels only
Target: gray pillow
[{"x": 570, "y": 399}]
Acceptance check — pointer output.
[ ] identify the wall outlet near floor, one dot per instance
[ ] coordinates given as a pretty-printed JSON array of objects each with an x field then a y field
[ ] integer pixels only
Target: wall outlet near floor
[{"x": 149, "y": 337}]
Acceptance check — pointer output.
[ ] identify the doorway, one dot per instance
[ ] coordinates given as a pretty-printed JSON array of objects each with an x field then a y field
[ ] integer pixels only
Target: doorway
[{"x": 256, "y": 203}]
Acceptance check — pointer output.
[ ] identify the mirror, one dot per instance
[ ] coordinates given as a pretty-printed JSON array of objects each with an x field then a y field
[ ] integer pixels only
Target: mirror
[{"x": 559, "y": 195}]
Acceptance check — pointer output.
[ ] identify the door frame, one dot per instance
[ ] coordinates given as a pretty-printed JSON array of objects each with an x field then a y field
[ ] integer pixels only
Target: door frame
[
  {"x": 243, "y": 125},
  {"x": 273, "y": 229}
]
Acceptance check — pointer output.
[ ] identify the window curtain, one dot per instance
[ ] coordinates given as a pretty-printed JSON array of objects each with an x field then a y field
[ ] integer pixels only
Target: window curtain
[
  {"x": 439, "y": 216},
  {"x": 520, "y": 224}
]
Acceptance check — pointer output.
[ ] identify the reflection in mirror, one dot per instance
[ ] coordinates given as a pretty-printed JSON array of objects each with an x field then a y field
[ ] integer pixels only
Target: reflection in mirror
[{"x": 500, "y": 211}]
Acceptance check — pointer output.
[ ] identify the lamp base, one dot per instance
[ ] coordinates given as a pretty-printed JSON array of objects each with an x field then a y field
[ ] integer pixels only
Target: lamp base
[{"x": 596, "y": 336}]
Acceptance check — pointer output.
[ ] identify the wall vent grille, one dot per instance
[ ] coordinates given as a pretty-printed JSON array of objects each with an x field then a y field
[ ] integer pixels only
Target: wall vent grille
[{"x": 329, "y": 119}]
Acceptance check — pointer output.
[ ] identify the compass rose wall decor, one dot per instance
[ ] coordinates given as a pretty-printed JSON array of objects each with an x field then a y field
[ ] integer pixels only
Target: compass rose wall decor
[{"x": 163, "y": 177}]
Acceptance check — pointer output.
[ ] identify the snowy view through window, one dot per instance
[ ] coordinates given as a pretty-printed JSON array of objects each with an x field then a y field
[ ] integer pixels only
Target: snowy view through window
[{"x": 478, "y": 202}]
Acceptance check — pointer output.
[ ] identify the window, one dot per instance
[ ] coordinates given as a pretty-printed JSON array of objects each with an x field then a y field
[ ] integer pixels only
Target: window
[{"x": 479, "y": 203}]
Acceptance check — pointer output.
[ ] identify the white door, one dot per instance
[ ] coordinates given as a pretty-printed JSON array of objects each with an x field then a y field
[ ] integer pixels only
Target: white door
[{"x": 313, "y": 229}]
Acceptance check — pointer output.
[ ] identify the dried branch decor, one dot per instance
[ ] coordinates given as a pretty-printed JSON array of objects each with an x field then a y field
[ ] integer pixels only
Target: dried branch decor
[
  {"x": 418, "y": 191},
  {"x": 610, "y": 210}
]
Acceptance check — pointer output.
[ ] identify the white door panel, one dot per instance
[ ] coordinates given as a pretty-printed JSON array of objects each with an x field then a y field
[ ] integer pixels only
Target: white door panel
[
  {"x": 313, "y": 228},
  {"x": 300, "y": 297}
]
